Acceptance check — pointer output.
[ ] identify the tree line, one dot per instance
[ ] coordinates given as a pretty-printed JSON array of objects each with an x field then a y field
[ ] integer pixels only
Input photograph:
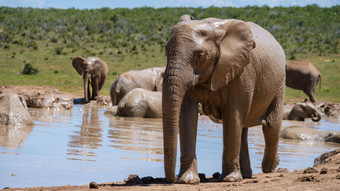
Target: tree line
[{"x": 300, "y": 30}]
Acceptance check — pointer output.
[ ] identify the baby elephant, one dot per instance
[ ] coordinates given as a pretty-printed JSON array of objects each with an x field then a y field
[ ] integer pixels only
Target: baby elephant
[
  {"x": 140, "y": 103},
  {"x": 302, "y": 76},
  {"x": 301, "y": 111},
  {"x": 94, "y": 72}
]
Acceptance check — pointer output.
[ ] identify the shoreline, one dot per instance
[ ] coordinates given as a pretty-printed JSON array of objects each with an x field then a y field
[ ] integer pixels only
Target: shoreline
[{"x": 324, "y": 176}]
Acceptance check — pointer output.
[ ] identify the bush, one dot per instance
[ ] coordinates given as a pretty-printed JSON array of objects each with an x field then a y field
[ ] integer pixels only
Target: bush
[
  {"x": 58, "y": 51},
  {"x": 28, "y": 69}
]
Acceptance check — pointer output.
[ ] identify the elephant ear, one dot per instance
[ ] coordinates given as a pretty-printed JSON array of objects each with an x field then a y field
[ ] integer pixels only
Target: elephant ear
[
  {"x": 186, "y": 18},
  {"x": 79, "y": 64},
  {"x": 235, "y": 45}
]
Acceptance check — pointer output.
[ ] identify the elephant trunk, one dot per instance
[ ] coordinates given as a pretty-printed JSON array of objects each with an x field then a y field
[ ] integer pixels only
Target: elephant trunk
[
  {"x": 175, "y": 84},
  {"x": 86, "y": 87},
  {"x": 316, "y": 116}
]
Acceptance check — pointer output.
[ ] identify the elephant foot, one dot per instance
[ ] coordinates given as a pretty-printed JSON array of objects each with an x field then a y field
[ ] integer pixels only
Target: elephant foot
[
  {"x": 189, "y": 175},
  {"x": 95, "y": 98},
  {"x": 269, "y": 165},
  {"x": 234, "y": 176},
  {"x": 247, "y": 173}
]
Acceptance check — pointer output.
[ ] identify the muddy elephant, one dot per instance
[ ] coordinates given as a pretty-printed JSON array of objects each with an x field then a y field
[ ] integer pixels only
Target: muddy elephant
[
  {"x": 304, "y": 133},
  {"x": 13, "y": 110},
  {"x": 301, "y": 111},
  {"x": 94, "y": 71},
  {"x": 309, "y": 134},
  {"x": 149, "y": 79},
  {"x": 140, "y": 102},
  {"x": 303, "y": 76},
  {"x": 236, "y": 70}
]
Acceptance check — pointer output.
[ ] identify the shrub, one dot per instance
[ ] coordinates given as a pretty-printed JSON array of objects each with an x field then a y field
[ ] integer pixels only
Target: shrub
[
  {"x": 28, "y": 69},
  {"x": 58, "y": 51}
]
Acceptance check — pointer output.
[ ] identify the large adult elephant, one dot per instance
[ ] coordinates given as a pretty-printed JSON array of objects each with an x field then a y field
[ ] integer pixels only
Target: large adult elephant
[
  {"x": 149, "y": 79},
  {"x": 236, "y": 70},
  {"x": 94, "y": 71},
  {"x": 303, "y": 76}
]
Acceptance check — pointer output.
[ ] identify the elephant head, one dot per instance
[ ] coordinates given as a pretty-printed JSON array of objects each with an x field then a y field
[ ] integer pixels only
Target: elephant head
[
  {"x": 94, "y": 72},
  {"x": 207, "y": 53},
  {"x": 301, "y": 111}
]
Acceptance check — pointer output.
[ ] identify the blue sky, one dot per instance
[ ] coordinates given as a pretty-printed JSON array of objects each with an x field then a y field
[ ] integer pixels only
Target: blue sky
[{"x": 93, "y": 4}]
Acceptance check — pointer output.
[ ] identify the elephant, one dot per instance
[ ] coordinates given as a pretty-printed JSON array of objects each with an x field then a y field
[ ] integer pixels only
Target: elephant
[
  {"x": 140, "y": 102},
  {"x": 303, "y": 76},
  {"x": 149, "y": 79},
  {"x": 301, "y": 111},
  {"x": 236, "y": 70},
  {"x": 13, "y": 110},
  {"x": 304, "y": 133},
  {"x": 94, "y": 71}
]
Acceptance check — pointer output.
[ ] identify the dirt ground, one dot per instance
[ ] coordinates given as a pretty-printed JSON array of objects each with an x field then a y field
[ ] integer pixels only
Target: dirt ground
[{"x": 321, "y": 177}]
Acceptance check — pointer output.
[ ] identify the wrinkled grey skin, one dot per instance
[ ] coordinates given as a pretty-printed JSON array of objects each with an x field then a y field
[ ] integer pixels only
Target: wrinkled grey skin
[
  {"x": 236, "y": 70},
  {"x": 304, "y": 133},
  {"x": 140, "y": 103},
  {"x": 149, "y": 79},
  {"x": 301, "y": 111},
  {"x": 303, "y": 76},
  {"x": 94, "y": 72},
  {"x": 13, "y": 110}
]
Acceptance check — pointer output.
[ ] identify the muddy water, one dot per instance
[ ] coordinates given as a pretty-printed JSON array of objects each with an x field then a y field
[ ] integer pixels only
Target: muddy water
[{"x": 82, "y": 145}]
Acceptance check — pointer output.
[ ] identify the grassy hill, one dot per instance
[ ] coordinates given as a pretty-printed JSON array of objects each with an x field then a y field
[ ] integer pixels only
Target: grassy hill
[{"x": 49, "y": 39}]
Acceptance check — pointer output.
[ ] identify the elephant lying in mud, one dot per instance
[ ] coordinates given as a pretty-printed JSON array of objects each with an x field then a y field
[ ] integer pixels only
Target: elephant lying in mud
[
  {"x": 309, "y": 134},
  {"x": 301, "y": 111},
  {"x": 236, "y": 70},
  {"x": 149, "y": 79},
  {"x": 94, "y": 72},
  {"x": 303, "y": 76},
  {"x": 13, "y": 110},
  {"x": 139, "y": 103}
]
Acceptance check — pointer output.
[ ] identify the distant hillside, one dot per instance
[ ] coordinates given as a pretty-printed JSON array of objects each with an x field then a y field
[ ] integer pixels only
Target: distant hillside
[{"x": 300, "y": 30}]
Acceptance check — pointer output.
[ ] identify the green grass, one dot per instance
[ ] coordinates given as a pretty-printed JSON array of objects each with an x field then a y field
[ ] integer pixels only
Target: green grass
[
  {"x": 57, "y": 70},
  {"x": 49, "y": 39},
  {"x": 329, "y": 66}
]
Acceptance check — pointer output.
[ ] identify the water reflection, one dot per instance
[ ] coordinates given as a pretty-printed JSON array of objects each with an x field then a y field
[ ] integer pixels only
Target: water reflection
[
  {"x": 90, "y": 146},
  {"x": 12, "y": 137},
  {"x": 55, "y": 115},
  {"x": 137, "y": 134},
  {"x": 88, "y": 138}
]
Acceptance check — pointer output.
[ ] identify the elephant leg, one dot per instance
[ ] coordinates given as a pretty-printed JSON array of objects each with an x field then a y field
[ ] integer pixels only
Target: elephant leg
[
  {"x": 188, "y": 132},
  {"x": 232, "y": 130},
  {"x": 310, "y": 94},
  {"x": 309, "y": 91},
  {"x": 271, "y": 130},
  {"x": 95, "y": 85},
  {"x": 244, "y": 155}
]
